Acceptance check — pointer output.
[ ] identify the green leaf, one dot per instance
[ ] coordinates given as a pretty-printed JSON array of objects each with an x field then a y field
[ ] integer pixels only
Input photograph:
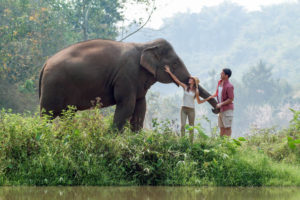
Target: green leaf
[
  {"x": 296, "y": 141},
  {"x": 201, "y": 132},
  {"x": 294, "y": 111},
  {"x": 237, "y": 142},
  {"x": 38, "y": 137},
  {"x": 206, "y": 151},
  {"x": 242, "y": 139},
  {"x": 292, "y": 145},
  {"x": 290, "y": 139},
  {"x": 76, "y": 132}
]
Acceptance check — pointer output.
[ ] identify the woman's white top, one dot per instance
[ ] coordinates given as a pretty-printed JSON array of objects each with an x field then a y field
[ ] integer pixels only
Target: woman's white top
[
  {"x": 220, "y": 94},
  {"x": 188, "y": 98}
]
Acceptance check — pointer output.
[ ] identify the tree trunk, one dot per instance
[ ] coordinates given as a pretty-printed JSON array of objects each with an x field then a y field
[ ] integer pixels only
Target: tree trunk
[{"x": 85, "y": 24}]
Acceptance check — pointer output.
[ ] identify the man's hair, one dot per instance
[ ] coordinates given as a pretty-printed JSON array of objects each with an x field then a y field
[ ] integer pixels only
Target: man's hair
[{"x": 227, "y": 71}]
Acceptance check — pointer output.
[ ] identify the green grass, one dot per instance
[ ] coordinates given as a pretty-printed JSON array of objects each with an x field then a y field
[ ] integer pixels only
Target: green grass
[{"x": 87, "y": 150}]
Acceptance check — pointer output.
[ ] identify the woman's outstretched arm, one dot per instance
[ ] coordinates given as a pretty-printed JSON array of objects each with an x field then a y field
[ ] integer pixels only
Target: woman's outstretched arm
[
  {"x": 167, "y": 69},
  {"x": 198, "y": 98}
]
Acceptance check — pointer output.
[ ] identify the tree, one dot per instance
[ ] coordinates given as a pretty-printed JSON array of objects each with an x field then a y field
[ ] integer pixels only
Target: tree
[
  {"x": 29, "y": 35},
  {"x": 95, "y": 18},
  {"x": 259, "y": 85},
  {"x": 98, "y": 18}
]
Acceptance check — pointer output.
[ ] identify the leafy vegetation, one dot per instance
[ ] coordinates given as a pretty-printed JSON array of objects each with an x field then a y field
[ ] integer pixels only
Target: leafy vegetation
[{"x": 85, "y": 149}]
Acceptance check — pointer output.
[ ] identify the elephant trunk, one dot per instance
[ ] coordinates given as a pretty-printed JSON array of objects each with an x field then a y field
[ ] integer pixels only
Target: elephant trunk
[
  {"x": 204, "y": 94},
  {"x": 183, "y": 74}
]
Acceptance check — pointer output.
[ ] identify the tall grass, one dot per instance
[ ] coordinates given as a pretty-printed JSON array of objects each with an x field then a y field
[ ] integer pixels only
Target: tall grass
[{"x": 85, "y": 149}]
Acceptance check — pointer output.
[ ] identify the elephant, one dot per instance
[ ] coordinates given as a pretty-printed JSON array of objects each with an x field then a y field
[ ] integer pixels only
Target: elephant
[{"x": 119, "y": 73}]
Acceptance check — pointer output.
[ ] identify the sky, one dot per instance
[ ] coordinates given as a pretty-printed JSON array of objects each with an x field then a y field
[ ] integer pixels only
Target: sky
[{"x": 167, "y": 8}]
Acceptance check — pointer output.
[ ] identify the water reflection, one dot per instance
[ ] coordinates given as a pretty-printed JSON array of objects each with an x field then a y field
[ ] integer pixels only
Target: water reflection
[{"x": 150, "y": 193}]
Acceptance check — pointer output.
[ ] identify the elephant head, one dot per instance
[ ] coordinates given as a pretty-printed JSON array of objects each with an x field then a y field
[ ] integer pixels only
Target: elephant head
[{"x": 159, "y": 53}]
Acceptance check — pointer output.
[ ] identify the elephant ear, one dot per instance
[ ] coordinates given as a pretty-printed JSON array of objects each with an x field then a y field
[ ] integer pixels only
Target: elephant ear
[{"x": 150, "y": 59}]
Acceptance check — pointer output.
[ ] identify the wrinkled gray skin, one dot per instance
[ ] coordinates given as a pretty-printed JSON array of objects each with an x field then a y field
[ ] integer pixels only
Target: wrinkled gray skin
[{"x": 119, "y": 73}]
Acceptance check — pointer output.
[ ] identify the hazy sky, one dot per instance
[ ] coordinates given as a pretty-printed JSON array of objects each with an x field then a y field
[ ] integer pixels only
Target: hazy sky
[{"x": 167, "y": 8}]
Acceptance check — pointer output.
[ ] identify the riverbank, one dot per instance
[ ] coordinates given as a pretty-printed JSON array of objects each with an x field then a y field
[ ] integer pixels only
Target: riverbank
[
  {"x": 86, "y": 150},
  {"x": 150, "y": 193}
]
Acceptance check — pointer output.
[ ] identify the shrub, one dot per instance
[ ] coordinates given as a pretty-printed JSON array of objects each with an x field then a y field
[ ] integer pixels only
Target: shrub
[{"x": 85, "y": 149}]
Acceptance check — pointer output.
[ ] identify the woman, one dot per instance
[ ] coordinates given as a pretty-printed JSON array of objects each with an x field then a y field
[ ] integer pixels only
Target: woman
[{"x": 188, "y": 107}]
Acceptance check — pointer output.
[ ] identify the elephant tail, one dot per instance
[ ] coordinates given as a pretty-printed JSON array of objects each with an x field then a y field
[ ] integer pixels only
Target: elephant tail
[{"x": 40, "y": 81}]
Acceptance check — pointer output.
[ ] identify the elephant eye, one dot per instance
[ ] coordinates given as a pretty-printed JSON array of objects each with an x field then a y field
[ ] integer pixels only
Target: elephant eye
[{"x": 175, "y": 65}]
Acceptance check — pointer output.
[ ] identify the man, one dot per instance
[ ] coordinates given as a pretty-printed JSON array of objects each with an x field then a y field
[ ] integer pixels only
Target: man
[{"x": 225, "y": 96}]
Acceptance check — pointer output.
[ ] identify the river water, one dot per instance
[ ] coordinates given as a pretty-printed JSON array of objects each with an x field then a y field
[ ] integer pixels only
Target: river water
[{"x": 151, "y": 193}]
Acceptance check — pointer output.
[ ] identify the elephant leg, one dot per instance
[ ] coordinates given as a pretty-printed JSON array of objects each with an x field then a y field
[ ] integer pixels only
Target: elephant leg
[
  {"x": 124, "y": 111},
  {"x": 138, "y": 116},
  {"x": 51, "y": 106}
]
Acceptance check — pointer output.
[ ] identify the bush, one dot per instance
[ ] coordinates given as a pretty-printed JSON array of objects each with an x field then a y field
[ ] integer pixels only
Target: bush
[{"x": 85, "y": 149}]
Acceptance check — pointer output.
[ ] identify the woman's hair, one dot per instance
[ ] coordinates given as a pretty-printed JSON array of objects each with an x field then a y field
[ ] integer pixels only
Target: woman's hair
[{"x": 194, "y": 88}]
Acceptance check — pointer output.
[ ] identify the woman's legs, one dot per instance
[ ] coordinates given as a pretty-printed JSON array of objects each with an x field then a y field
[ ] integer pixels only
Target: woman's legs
[
  {"x": 183, "y": 116},
  {"x": 190, "y": 114},
  {"x": 191, "y": 117}
]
